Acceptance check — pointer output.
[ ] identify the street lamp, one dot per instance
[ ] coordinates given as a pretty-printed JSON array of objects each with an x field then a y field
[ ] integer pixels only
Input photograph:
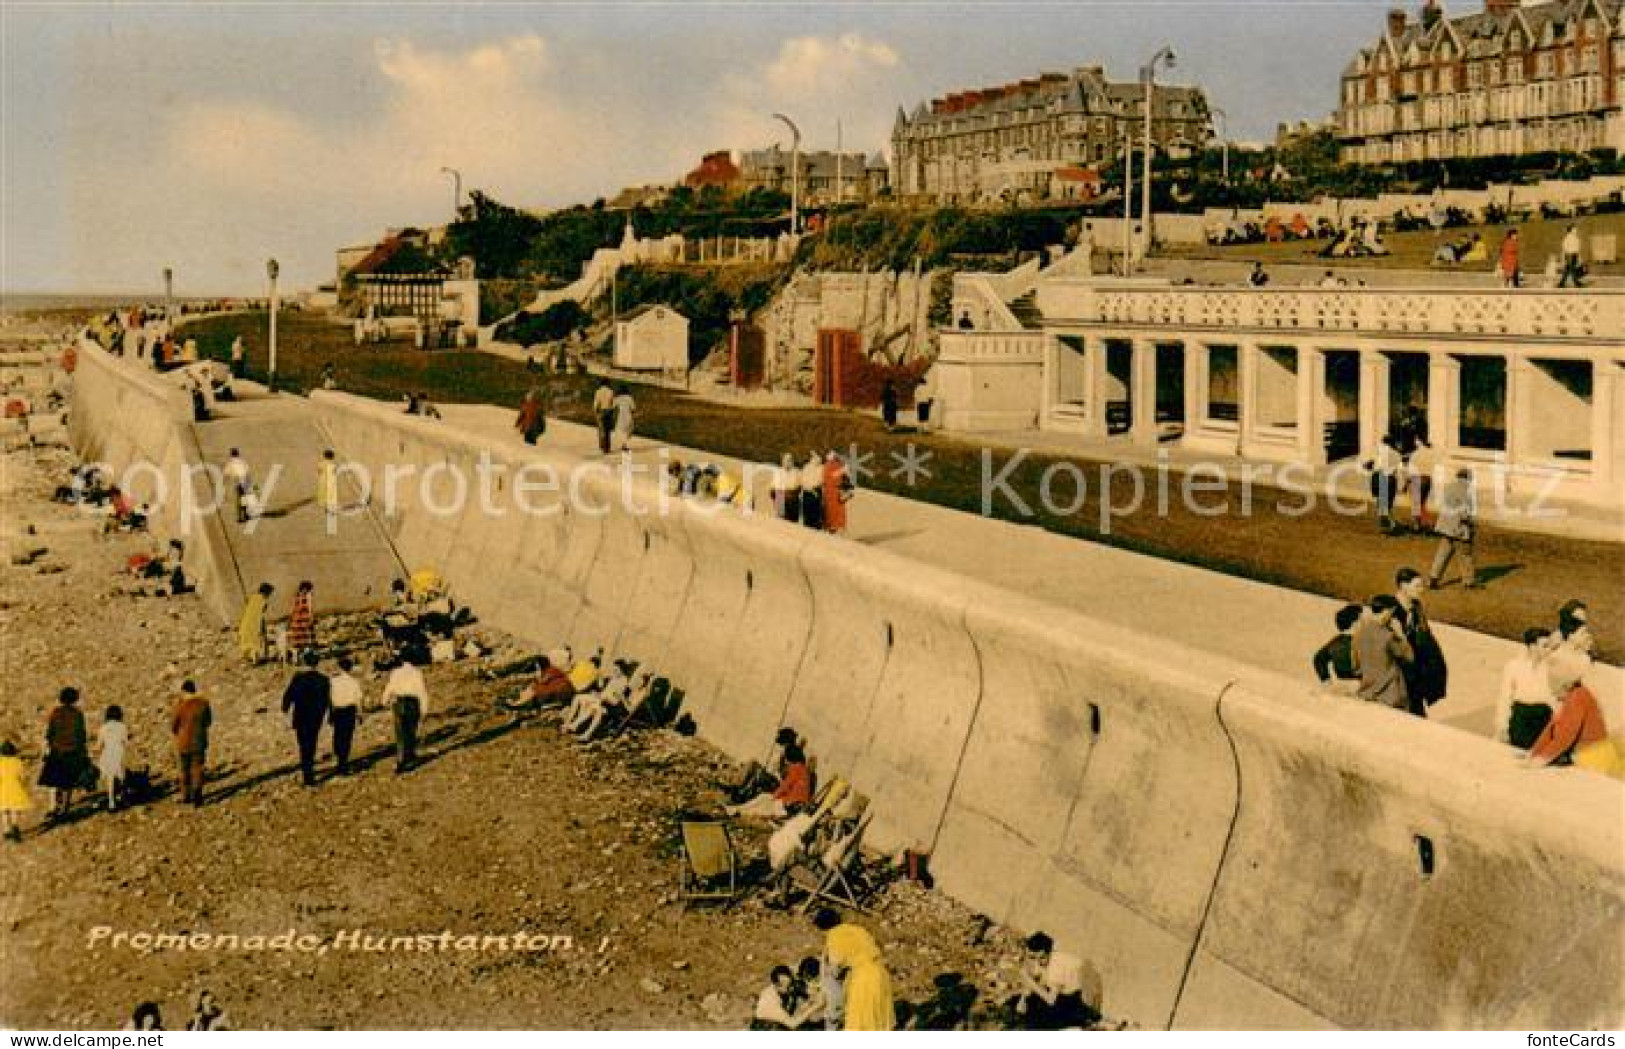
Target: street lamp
[
  {"x": 271, "y": 270},
  {"x": 456, "y": 190},
  {"x": 795, "y": 172},
  {"x": 1128, "y": 197},
  {"x": 169, "y": 296},
  {"x": 1224, "y": 142},
  {"x": 1148, "y": 76}
]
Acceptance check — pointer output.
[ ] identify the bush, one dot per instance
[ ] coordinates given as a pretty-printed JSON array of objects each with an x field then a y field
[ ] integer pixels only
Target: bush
[{"x": 558, "y": 321}]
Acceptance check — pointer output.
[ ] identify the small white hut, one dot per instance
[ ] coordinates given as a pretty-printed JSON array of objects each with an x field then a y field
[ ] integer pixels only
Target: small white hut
[{"x": 652, "y": 338}]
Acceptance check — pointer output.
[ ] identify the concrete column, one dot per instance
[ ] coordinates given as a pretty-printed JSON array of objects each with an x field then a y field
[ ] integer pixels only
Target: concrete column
[
  {"x": 1143, "y": 392},
  {"x": 1047, "y": 381},
  {"x": 1373, "y": 400},
  {"x": 1246, "y": 393},
  {"x": 1444, "y": 403},
  {"x": 1604, "y": 379},
  {"x": 1094, "y": 386},
  {"x": 1195, "y": 386},
  {"x": 1520, "y": 387},
  {"x": 1311, "y": 381}
]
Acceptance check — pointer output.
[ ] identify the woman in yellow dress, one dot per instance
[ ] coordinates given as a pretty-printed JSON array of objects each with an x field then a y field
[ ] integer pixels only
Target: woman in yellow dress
[
  {"x": 14, "y": 799},
  {"x": 251, "y": 626},
  {"x": 868, "y": 985}
]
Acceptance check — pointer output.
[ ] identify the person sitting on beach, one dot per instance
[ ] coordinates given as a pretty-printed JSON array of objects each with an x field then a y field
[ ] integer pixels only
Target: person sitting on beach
[
  {"x": 550, "y": 688},
  {"x": 589, "y": 708},
  {"x": 781, "y": 1005},
  {"x": 794, "y": 789}
]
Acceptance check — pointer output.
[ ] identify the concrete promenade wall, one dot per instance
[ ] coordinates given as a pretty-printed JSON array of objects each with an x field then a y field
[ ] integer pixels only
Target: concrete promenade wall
[
  {"x": 1221, "y": 851},
  {"x": 124, "y": 415}
]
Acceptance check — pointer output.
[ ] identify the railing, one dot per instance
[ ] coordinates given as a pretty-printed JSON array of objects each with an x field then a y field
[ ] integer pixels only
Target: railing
[
  {"x": 1547, "y": 315},
  {"x": 990, "y": 347}
]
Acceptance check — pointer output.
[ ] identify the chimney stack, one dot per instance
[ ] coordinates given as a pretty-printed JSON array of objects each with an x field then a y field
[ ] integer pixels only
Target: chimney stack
[
  {"x": 1396, "y": 21},
  {"x": 1431, "y": 14}
]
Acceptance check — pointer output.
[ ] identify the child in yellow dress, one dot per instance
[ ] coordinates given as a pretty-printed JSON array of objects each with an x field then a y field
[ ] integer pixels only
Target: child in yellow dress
[{"x": 14, "y": 799}]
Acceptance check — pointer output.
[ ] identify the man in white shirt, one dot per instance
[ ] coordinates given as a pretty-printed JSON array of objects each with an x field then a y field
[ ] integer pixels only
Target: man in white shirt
[
  {"x": 407, "y": 695},
  {"x": 1523, "y": 680},
  {"x": 236, "y": 475},
  {"x": 344, "y": 699},
  {"x": 1572, "y": 267}
]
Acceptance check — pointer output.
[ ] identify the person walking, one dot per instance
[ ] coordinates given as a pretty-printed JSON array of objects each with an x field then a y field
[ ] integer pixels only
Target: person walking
[
  {"x": 302, "y": 620},
  {"x": 307, "y": 699},
  {"x": 1457, "y": 529},
  {"x": 237, "y": 475},
  {"x": 327, "y": 488},
  {"x": 67, "y": 751},
  {"x": 812, "y": 492},
  {"x": 251, "y": 624},
  {"x": 624, "y": 408},
  {"x": 786, "y": 489},
  {"x": 111, "y": 741},
  {"x": 532, "y": 420},
  {"x": 189, "y": 723},
  {"x": 1427, "y": 675},
  {"x": 1385, "y": 465},
  {"x": 837, "y": 486},
  {"x": 603, "y": 411},
  {"x": 344, "y": 697},
  {"x": 238, "y": 358},
  {"x": 1419, "y": 468},
  {"x": 1507, "y": 263},
  {"x": 14, "y": 799},
  {"x": 888, "y": 405},
  {"x": 1573, "y": 267},
  {"x": 407, "y": 695}
]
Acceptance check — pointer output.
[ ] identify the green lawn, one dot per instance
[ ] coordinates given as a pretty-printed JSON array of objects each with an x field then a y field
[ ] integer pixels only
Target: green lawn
[{"x": 1320, "y": 552}]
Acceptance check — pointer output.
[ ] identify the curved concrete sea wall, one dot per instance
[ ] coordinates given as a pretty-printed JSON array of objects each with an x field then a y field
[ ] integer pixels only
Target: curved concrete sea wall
[
  {"x": 141, "y": 427},
  {"x": 1222, "y": 850}
]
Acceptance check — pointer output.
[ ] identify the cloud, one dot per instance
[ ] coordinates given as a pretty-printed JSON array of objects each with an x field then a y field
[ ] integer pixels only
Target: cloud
[{"x": 812, "y": 63}]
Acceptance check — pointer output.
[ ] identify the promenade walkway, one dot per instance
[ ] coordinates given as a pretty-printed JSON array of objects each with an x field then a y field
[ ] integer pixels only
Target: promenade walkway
[{"x": 1272, "y": 628}]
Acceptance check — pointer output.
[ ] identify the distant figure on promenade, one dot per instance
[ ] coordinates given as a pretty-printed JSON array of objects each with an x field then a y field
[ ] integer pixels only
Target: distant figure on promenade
[
  {"x": 1573, "y": 267},
  {"x": 965, "y": 323},
  {"x": 785, "y": 489},
  {"x": 327, "y": 488},
  {"x": 1336, "y": 661},
  {"x": 67, "y": 751},
  {"x": 1458, "y": 528},
  {"x": 1427, "y": 679},
  {"x": 1507, "y": 263},
  {"x": 888, "y": 404},
  {"x": 603, "y": 412},
  {"x": 624, "y": 407},
  {"x": 1383, "y": 654},
  {"x": 812, "y": 492},
  {"x": 1525, "y": 700},
  {"x": 14, "y": 798},
  {"x": 407, "y": 695},
  {"x": 837, "y": 485},
  {"x": 1258, "y": 278},
  {"x": 344, "y": 710},
  {"x": 1385, "y": 465},
  {"x": 238, "y": 358},
  {"x": 1419, "y": 467},
  {"x": 302, "y": 620},
  {"x": 111, "y": 740},
  {"x": 924, "y": 394},
  {"x": 237, "y": 476},
  {"x": 251, "y": 624},
  {"x": 532, "y": 420},
  {"x": 189, "y": 723},
  {"x": 307, "y": 699}
]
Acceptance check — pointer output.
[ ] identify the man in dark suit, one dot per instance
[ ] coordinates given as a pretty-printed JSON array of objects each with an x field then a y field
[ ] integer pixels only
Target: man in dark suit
[{"x": 308, "y": 697}]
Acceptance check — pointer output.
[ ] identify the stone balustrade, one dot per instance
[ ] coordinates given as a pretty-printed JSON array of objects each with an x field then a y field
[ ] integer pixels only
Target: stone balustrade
[
  {"x": 991, "y": 347},
  {"x": 1545, "y": 315}
]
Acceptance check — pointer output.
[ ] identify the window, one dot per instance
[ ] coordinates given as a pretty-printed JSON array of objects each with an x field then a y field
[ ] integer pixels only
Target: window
[
  {"x": 1475, "y": 75},
  {"x": 1546, "y": 64},
  {"x": 1590, "y": 58}
]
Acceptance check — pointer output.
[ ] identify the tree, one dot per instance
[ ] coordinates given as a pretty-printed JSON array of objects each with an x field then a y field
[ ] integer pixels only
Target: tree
[{"x": 497, "y": 236}]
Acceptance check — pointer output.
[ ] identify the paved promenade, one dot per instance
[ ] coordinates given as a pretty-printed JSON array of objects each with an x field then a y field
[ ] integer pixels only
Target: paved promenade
[{"x": 1272, "y": 628}]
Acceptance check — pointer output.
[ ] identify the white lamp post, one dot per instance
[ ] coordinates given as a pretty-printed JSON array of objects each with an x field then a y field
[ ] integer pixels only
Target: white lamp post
[
  {"x": 271, "y": 270},
  {"x": 1148, "y": 76},
  {"x": 1224, "y": 143},
  {"x": 169, "y": 297},
  {"x": 795, "y": 172}
]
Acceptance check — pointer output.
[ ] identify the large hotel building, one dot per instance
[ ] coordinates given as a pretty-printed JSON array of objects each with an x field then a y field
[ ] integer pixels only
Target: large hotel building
[
  {"x": 1024, "y": 140},
  {"x": 1509, "y": 79}
]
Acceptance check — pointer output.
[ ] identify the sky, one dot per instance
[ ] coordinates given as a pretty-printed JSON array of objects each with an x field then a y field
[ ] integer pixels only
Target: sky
[{"x": 211, "y": 137}]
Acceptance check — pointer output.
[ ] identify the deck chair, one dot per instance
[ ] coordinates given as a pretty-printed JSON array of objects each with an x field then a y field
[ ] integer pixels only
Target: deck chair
[
  {"x": 829, "y": 875},
  {"x": 710, "y": 868}
]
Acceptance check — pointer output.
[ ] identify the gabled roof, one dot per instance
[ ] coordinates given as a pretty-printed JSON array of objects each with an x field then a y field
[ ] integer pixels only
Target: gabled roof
[{"x": 646, "y": 309}]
